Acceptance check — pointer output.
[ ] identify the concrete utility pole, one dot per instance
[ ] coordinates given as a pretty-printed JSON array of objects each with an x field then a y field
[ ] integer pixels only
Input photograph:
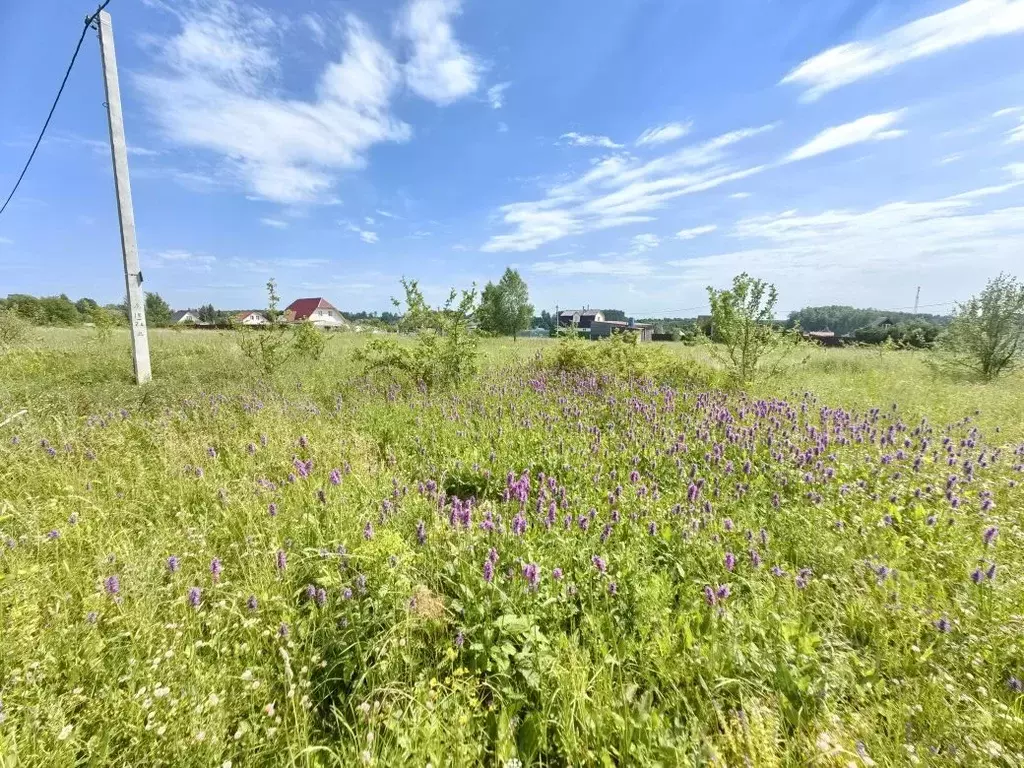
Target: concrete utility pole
[
  {"x": 129, "y": 248},
  {"x": 917, "y": 298}
]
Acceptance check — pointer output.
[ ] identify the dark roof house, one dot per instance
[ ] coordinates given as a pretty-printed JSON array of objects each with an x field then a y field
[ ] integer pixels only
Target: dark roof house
[{"x": 581, "y": 318}]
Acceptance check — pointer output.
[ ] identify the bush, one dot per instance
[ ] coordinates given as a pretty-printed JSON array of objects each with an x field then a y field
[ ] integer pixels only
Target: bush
[
  {"x": 444, "y": 353},
  {"x": 986, "y": 336},
  {"x": 13, "y": 329},
  {"x": 309, "y": 341}
]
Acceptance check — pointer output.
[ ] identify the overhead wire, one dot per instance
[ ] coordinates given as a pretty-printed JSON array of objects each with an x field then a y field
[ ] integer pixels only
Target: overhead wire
[{"x": 64, "y": 82}]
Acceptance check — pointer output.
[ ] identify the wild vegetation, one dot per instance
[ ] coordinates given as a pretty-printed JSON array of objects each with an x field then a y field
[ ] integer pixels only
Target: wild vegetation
[{"x": 438, "y": 549}]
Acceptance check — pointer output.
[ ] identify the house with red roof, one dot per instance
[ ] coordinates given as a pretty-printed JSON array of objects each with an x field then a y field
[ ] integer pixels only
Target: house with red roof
[{"x": 317, "y": 310}]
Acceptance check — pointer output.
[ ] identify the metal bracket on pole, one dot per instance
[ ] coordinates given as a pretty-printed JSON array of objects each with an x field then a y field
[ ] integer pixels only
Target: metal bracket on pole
[{"x": 126, "y": 216}]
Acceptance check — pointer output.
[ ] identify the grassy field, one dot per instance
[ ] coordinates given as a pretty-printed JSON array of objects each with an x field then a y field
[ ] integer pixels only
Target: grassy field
[{"x": 543, "y": 567}]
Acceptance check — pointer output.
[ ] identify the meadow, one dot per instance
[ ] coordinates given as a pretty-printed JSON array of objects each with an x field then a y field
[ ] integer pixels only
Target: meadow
[{"x": 539, "y": 567}]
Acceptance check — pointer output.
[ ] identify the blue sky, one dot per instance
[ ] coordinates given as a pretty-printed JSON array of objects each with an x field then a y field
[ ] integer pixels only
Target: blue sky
[{"x": 619, "y": 154}]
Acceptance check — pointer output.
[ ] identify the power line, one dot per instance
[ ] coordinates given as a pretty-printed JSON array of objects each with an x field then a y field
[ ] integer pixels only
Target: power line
[{"x": 88, "y": 23}]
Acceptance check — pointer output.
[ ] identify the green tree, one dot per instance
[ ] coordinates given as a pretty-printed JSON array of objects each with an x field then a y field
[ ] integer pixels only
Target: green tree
[
  {"x": 158, "y": 311},
  {"x": 743, "y": 325},
  {"x": 986, "y": 336},
  {"x": 85, "y": 307},
  {"x": 208, "y": 314},
  {"x": 505, "y": 308},
  {"x": 614, "y": 314},
  {"x": 58, "y": 310}
]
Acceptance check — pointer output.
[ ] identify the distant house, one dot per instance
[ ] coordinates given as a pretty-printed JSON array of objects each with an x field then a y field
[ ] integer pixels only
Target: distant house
[
  {"x": 317, "y": 310},
  {"x": 825, "y": 338},
  {"x": 250, "y": 317},
  {"x": 602, "y": 329},
  {"x": 183, "y": 316},
  {"x": 579, "y": 318}
]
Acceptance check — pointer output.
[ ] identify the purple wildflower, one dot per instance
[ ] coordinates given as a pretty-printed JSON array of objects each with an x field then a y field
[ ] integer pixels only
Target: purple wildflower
[
  {"x": 613, "y": 588},
  {"x": 335, "y": 477},
  {"x": 195, "y": 596},
  {"x": 421, "y": 532},
  {"x": 283, "y": 630},
  {"x": 652, "y": 528},
  {"x": 91, "y": 617},
  {"x": 281, "y": 561},
  {"x": 272, "y": 509},
  {"x": 977, "y": 576},
  {"x": 53, "y": 535},
  {"x": 723, "y": 591},
  {"x": 556, "y": 574},
  {"x": 368, "y": 531},
  {"x": 990, "y": 535},
  {"x": 709, "y": 595},
  {"x": 727, "y": 524},
  {"x": 755, "y": 559},
  {"x": 990, "y": 574},
  {"x": 460, "y": 639},
  {"x": 346, "y": 594},
  {"x": 321, "y": 597},
  {"x": 112, "y": 585},
  {"x": 252, "y": 603},
  {"x": 173, "y": 564},
  {"x": 531, "y": 572},
  {"x": 942, "y": 624},
  {"x": 730, "y": 561},
  {"x": 1015, "y": 685},
  {"x": 215, "y": 569},
  {"x": 599, "y": 563},
  {"x": 488, "y": 571},
  {"x": 211, "y": 452}
]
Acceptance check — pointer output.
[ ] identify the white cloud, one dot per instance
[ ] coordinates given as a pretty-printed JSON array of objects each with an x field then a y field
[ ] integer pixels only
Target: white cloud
[
  {"x": 739, "y": 195},
  {"x": 1016, "y": 134},
  {"x": 315, "y": 24},
  {"x": 867, "y": 128},
  {"x": 496, "y": 95},
  {"x": 1008, "y": 111},
  {"x": 275, "y": 223},
  {"x": 369, "y": 221},
  {"x": 846, "y": 255},
  {"x": 1015, "y": 169},
  {"x": 180, "y": 259},
  {"x": 690, "y": 234},
  {"x": 365, "y": 235},
  {"x": 502, "y": 127},
  {"x": 387, "y": 214},
  {"x": 950, "y": 158},
  {"x": 662, "y": 133},
  {"x": 584, "y": 140},
  {"x": 216, "y": 89},
  {"x": 615, "y": 267},
  {"x": 439, "y": 70},
  {"x": 643, "y": 243},
  {"x": 966, "y": 23},
  {"x": 6, "y": 241},
  {"x": 619, "y": 190}
]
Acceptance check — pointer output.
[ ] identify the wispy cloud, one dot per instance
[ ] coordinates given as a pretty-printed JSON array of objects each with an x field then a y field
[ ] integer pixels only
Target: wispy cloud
[
  {"x": 496, "y": 95},
  {"x": 690, "y": 234},
  {"x": 963, "y": 24},
  {"x": 581, "y": 267},
  {"x": 868, "y": 128},
  {"x": 365, "y": 235},
  {"x": 440, "y": 69},
  {"x": 275, "y": 223},
  {"x": 215, "y": 89},
  {"x": 662, "y": 133},
  {"x": 1015, "y": 169},
  {"x": 584, "y": 140},
  {"x": 180, "y": 259},
  {"x": 6, "y": 241},
  {"x": 387, "y": 214},
  {"x": 643, "y": 243},
  {"x": 620, "y": 190},
  {"x": 739, "y": 195}
]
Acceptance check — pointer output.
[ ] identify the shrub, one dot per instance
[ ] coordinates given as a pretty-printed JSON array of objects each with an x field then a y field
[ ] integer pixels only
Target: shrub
[
  {"x": 444, "y": 352},
  {"x": 744, "y": 327},
  {"x": 13, "y": 329},
  {"x": 309, "y": 341},
  {"x": 986, "y": 336}
]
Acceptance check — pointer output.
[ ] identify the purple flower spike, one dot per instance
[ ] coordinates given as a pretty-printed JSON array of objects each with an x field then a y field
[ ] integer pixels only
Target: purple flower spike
[
  {"x": 599, "y": 563},
  {"x": 556, "y": 574},
  {"x": 723, "y": 591},
  {"x": 368, "y": 531},
  {"x": 942, "y": 624},
  {"x": 613, "y": 588},
  {"x": 252, "y": 603},
  {"x": 730, "y": 561},
  {"x": 272, "y": 510},
  {"x": 335, "y": 477},
  {"x": 990, "y": 535},
  {"x": 321, "y": 597},
  {"x": 977, "y": 576},
  {"x": 173, "y": 564},
  {"x": 112, "y": 585},
  {"x": 281, "y": 561},
  {"x": 709, "y": 595},
  {"x": 195, "y": 596},
  {"x": 488, "y": 571},
  {"x": 215, "y": 569}
]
